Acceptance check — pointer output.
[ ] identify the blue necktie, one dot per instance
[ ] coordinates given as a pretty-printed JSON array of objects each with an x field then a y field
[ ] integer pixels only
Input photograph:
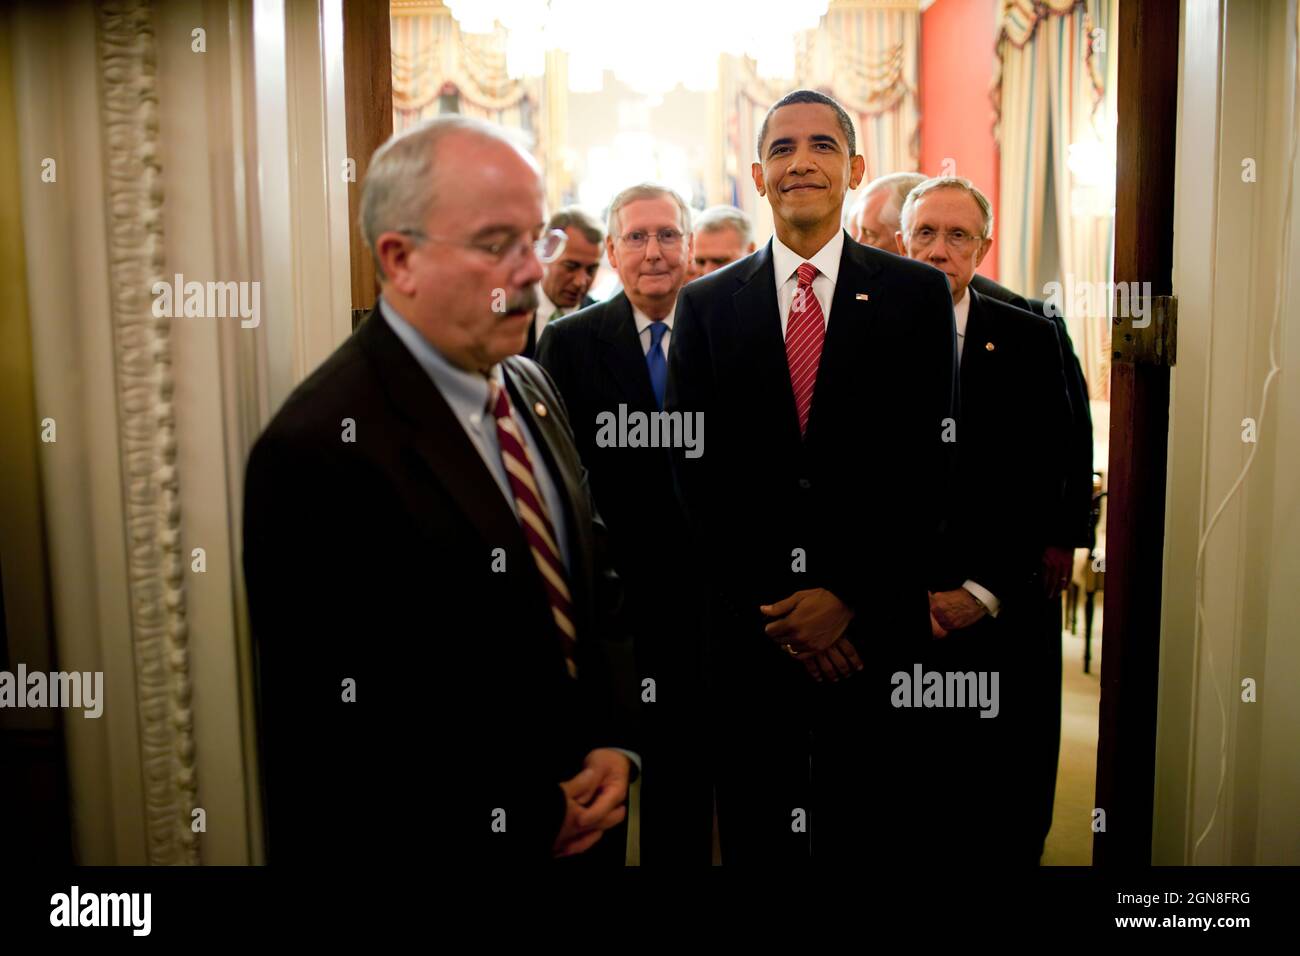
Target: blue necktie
[{"x": 656, "y": 362}]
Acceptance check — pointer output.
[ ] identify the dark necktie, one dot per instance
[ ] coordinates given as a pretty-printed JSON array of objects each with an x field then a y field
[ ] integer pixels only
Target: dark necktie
[{"x": 656, "y": 363}]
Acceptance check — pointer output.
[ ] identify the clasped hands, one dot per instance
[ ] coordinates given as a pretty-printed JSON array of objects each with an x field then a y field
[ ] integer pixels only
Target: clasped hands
[
  {"x": 594, "y": 801},
  {"x": 953, "y": 610},
  {"x": 810, "y": 626}
]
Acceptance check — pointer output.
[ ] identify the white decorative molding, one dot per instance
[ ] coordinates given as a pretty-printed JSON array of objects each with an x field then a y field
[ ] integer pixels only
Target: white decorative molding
[{"x": 127, "y": 62}]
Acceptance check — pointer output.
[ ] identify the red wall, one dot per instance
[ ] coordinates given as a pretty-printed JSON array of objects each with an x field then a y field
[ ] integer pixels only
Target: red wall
[{"x": 957, "y": 65}]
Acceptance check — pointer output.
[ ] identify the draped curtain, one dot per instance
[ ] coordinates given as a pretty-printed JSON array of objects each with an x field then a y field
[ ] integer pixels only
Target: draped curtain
[
  {"x": 437, "y": 69},
  {"x": 1056, "y": 88},
  {"x": 864, "y": 55}
]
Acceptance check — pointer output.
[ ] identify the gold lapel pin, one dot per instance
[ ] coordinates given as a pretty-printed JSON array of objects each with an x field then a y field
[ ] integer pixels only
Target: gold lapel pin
[
  {"x": 862, "y": 297},
  {"x": 540, "y": 409},
  {"x": 989, "y": 346}
]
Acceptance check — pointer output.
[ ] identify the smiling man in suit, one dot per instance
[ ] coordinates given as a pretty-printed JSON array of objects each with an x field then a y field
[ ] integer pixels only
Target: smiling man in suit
[
  {"x": 987, "y": 585},
  {"x": 613, "y": 355},
  {"x": 437, "y": 672},
  {"x": 825, "y": 372}
]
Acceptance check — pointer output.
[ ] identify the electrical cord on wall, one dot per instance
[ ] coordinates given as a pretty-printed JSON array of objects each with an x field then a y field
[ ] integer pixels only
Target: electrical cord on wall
[{"x": 1273, "y": 371}]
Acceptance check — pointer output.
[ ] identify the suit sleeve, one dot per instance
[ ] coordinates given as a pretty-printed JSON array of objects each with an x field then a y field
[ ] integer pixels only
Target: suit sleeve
[
  {"x": 1006, "y": 553},
  {"x": 322, "y": 577},
  {"x": 1074, "y": 526},
  {"x": 555, "y": 360}
]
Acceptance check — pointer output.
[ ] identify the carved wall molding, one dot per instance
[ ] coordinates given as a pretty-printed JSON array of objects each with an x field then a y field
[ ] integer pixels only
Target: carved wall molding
[{"x": 130, "y": 130}]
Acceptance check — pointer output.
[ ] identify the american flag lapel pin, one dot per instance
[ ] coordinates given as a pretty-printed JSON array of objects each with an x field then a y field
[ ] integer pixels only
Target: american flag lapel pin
[{"x": 862, "y": 297}]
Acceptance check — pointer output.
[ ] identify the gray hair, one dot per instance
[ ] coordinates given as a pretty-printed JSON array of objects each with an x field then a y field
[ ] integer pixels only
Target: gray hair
[
  {"x": 809, "y": 96},
  {"x": 646, "y": 191},
  {"x": 947, "y": 182},
  {"x": 575, "y": 217},
  {"x": 899, "y": 185},
  {"x": 398, "y": 190},
  {"x": 717, "y": 218}
]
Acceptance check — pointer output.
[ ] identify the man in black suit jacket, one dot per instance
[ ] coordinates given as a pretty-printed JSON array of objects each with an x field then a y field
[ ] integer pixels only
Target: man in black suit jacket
[
  {"x": 605, "y": 361},
  {"x": 1071, "y": 529},
  {"x": 563, "y": 289},
  {"x": 987, "y": 587},
  {"x": 430, "y": 598},
  {"x": 817, "y": 502}
]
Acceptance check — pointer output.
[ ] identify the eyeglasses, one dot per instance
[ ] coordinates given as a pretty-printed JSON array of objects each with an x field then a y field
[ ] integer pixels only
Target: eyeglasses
[
  {"x": 637, "y": 238},
  {"x": 547, "y": 247},
  {"x": 958, "y": 240}
]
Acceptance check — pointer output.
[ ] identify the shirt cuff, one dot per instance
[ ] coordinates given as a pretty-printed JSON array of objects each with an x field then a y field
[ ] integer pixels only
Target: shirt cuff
[
  {"x": 984, "y": 596},
  {"x": 630, "y": 755}
]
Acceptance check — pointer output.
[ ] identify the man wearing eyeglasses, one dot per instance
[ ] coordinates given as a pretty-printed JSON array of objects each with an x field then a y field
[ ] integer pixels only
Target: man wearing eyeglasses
[
  {"x": 612, "y": 359},
  {"x": 987, "y": 586},
  {"x": 825, "y": 373},
  {"x": 431, "y": 601},
  {"x": 567, "y": 278}
]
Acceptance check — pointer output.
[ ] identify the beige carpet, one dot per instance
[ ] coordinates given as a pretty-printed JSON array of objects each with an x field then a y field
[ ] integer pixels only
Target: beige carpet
[{"x": 1070, "y": 841}]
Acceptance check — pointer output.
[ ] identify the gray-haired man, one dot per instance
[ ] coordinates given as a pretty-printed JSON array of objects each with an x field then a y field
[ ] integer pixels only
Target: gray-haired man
[
  {"x": 723, "y": 234},
  {"x": 426, "y": 571}
]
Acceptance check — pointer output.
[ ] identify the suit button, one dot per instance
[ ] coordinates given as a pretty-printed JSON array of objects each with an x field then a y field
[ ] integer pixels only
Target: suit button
[{"x": 805, "y": 484}]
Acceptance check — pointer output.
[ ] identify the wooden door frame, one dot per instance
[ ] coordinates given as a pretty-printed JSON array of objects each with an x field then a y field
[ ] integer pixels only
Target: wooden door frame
[
  {"x": 368, "y": 93},
  {"x": 1147, "y": 100}
]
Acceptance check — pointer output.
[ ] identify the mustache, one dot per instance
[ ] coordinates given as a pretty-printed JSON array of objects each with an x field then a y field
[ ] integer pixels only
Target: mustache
[{"x": 525, "y": 300}]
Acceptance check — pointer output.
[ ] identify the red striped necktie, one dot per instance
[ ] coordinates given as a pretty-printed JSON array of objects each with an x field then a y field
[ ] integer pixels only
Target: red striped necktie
[
  {"x": 536, "y": 524},
  {"x": 805, "y": 331}
]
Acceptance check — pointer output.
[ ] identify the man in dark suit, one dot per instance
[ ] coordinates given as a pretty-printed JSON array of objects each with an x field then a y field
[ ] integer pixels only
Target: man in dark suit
[
  {"x": 430, "y": 599},
  {"x": 1012, "y": 433},
  {"x": 874, "y": 220},
  {"x": 564, "y": 284},
  {"x": 825, "y": 372},
  {"x": 611, "y": 360}
]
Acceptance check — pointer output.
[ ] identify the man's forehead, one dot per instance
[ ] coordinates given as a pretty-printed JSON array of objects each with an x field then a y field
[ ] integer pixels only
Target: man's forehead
[
  {"x": 876, "y": 201},
  {"x": 650, "y": 208},
  {"x": 954, "y": 204},
  {"x": 579, "y": 243},
  {"x": 800, "y": 120},
  {"x": 721, "y": 239}
]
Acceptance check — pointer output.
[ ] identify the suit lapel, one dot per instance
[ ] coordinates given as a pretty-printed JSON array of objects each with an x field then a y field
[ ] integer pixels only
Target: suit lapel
[
  {"x": 437, "y": 437},
  {"x": 548, "y": 435},
  {"x": 974, "y": 351},
  {"x": 758, "y": 335},
  {"x": 621, "y": 353},
  {"x": 847, "y": 332}
]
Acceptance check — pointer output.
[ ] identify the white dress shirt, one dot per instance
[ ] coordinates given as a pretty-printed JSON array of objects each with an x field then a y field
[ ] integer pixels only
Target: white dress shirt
[
  {"x": 546, "y": 311},
  {"x": 643, "y": 323},
  {"x": 962, "y": 312},
  {"x": 787, "y": 262}
]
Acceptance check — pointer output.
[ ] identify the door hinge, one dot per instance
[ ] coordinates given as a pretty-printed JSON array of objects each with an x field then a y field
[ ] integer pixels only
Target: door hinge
[{"x": 1145, "y": 329}]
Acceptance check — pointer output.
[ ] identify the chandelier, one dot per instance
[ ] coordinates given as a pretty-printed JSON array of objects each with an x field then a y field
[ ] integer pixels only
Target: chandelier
[{"x": 652, "y": 49}]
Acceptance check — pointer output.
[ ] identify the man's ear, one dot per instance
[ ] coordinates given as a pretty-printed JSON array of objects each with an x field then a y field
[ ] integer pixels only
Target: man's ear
[
  {"x": 898, "y": 241},
  {"x": 857, "y": 169},
  {"x": 752, "y": 247},
  {"x": 609, "y": 253},
  {"x": 985, "y": 246},
  {"x": 393, "y": 250},
  {"x": 756, "y": 169}
]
